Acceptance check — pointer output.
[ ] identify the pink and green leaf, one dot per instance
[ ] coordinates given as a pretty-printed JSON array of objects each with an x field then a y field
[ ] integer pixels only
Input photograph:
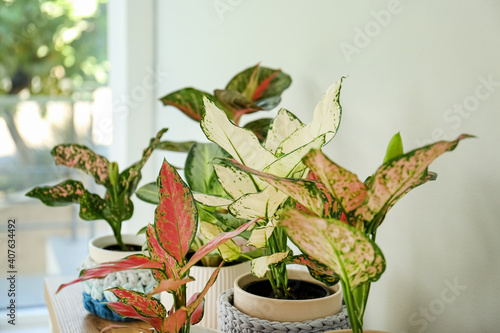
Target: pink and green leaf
[
  {"x": 171, "y": 285},
  {"x": 128, "y": 311},
  {"x": 215, "y": 243},
  {"x": 176, "y": 217},
  {"x": 174, "y": 322},
  {"x": 157, "y": 253},
  {"x": 136, "y": 261},
  {"x": 82, "y": 158},
  {"x": 346, "y": 250},
  {"x": 197, "y": 314},
  {"x": 197, "y": 301},
  {"x": 189, "y": 101},
  {"x": 345, "y": 186},
  {"x": 397, "y": 177},
  {"x": 146, "y": 306},
  {"x": 62, "y": 194},
  {"x": 237, "y": 104},
  {"x": 317, "y": 270}
]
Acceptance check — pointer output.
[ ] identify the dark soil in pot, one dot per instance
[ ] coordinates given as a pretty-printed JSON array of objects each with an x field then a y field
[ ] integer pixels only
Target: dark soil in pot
[
  {"x": 130, "y": 247},
  {"x": 299, "y": 290}
]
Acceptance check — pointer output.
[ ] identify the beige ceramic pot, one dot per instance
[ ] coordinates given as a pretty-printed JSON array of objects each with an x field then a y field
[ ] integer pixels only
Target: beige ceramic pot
[
  {"x": 199, "y": 329},
  {"x": 286, "y": 310},
  {"x": 225, "y": 281}
]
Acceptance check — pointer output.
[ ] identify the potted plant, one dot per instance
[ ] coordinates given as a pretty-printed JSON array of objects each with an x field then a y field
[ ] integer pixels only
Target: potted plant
[
  {"x": 333, "y": 217},
  {"x": 287, "y": 142},
  {"x": 168, "y": 243},
  {"x": 115, "y": 207}
]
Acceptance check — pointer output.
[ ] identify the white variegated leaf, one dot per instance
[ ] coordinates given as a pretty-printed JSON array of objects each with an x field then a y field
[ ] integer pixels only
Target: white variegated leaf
[
  {"x": 212, "y": 200},
  {"x": 261, "y": 204},
  {"x": 236, "y": 183},
  {"x": 282, "y": 126},
  {"x": 240, "y": 143},
  {"x": 259, "y": 236},
  {"x": 326, "y": 120},
  {"x": 260, "y": 266},
  {"x": 292, "y": 162},
  {"x": 229, "y": 250}
]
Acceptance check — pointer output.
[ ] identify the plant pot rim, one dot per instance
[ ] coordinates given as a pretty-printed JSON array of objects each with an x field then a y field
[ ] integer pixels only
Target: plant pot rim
[
  {"x": 286, "y": 310},
  {"x": 101, "y": 255}
]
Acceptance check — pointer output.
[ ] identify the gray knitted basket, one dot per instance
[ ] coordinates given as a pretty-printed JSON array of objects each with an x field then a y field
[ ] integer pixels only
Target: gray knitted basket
[{"x": 231, "y": 320}]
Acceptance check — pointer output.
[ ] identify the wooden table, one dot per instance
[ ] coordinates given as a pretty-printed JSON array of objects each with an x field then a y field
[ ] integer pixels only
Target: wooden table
[{"x": 67, "y": 314}]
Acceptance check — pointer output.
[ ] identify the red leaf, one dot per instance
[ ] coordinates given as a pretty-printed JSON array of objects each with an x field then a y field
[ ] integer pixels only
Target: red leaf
[
  {"x": 136, "y": 261},
  {"x": 197, "y": 314},
  {"x": 176, "y": 217},
  {"x": 126, "y": 310},
  {"x": 157, "y": 253},
  {"x": 174, "y": 322},
  {"x": 215, "y": 243}
]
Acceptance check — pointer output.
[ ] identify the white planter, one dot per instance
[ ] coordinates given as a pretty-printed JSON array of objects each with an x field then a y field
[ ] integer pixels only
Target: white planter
[
  {"x": 224, "y": 281},
  {"x": 100, "y": 255},
  {"x": 286, "y": 310}
]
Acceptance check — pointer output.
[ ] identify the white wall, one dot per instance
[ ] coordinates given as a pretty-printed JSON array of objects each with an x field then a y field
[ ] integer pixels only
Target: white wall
[{"x": 425, "y": 58}]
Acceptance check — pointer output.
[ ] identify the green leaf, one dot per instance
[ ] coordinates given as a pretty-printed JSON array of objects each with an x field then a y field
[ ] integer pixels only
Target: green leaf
[
  {"x": 394, "y": 148},
  {"x": 199, "y": 171},
  {"x": 260, "y": 84},
  {"x": 235, "y": 103},
  {"x": 259, "y": 127},
  {"x": 234, "y": 182},
  {"x": 317, "y": 270},
  {"x": 397, "y": 177},
  {"x": 229, "y": 250},
  {"x": 62, "y": 194},
  {"x": 82, "y": 158},
  {"x": 189, "y": 101},
  {"x": 148, "y": 193},
  {"x": 92, "y": 207},
  {"x": 353, "y": 256},
  {"x": 181, "y": 147},
  {"x": 326, "y": 120}
]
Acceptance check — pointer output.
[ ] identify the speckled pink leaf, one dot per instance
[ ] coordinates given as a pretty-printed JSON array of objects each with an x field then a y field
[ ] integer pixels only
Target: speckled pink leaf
[
  {"x": 62, "y": 194},
  {"x": 176, "y": 217},
  {"x": 156, "y": 252},
  {"x": 81, "y": 157},
  {"x": 136, "y": 261},
  {"x": 345, "y": 187},
  {"x": 397, "y": 177},
  {"x": 317, "y": 270},
  {"x": 344, "y": 249}
]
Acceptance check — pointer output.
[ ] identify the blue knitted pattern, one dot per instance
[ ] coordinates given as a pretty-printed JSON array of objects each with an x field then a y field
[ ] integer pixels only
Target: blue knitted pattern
[{"x": 100, "y": 309}]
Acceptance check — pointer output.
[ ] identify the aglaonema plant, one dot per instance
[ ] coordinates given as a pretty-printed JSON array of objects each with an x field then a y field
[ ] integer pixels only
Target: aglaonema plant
[
  {"x": 255, "y": 89},
  {"x": 168, "y": 242},
  {"x": 335, "y": 217},
  {"x": 116, "y": 206},
  {"x": 287, "y": 142}
]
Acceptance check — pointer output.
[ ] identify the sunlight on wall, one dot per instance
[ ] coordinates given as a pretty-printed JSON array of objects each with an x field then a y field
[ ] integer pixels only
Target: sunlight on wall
[{"x": 7, "y": 147}]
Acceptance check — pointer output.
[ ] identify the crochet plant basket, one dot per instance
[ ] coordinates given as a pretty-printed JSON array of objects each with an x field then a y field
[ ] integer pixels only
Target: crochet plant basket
[
  {"x": 95, "y": 297},
  {"x": 231, "y": 320}
]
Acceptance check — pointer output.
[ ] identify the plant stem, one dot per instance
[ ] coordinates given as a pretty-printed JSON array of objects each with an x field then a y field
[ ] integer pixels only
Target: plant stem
[
  {"x": 116, "y": 226},
  {"x": 355, "y": 316}
]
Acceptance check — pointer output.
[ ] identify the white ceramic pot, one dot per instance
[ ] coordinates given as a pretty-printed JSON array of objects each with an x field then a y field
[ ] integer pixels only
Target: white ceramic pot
[
  {"x": 286, "y": 310},
  {"x": 100, "y": 255},
  {"x": 224, "y": 281}
]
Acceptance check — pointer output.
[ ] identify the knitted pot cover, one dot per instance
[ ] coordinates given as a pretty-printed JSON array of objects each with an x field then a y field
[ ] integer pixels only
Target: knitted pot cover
[
  {"x": 231, "y": 320},
  {"x": 95, "y": 296}
]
